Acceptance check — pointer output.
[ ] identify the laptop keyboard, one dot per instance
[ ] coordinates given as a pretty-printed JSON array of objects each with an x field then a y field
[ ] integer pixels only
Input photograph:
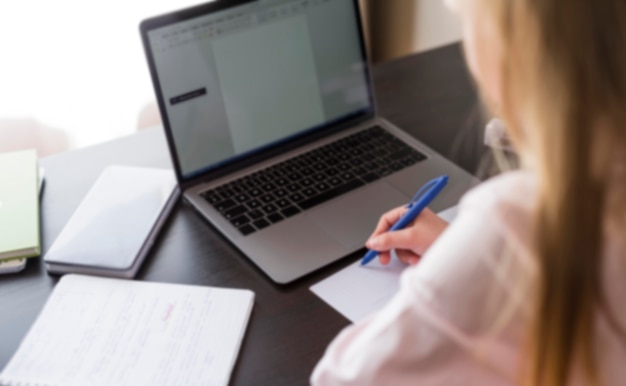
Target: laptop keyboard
[{"x": 268, "y": 196}]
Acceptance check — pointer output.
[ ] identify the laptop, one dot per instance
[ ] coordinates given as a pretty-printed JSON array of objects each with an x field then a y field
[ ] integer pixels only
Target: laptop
[{"x": 269, "y": 113}]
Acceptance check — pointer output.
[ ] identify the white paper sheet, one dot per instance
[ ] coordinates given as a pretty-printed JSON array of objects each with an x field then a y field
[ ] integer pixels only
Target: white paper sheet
[
  {"x": 96, "y": 331},
  {"x": 357, "y": 292}
]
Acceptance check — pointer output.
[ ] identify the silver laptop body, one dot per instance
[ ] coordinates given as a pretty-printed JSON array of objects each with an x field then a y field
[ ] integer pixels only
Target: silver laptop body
[{"x": 262, "y": 98}]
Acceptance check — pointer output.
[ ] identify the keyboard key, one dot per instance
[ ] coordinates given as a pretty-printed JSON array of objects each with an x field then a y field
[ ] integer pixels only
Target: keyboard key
[
  {"x": 384, "y": 161},
  {"x": 267, "y": 198},
  {"x": 236, "y": 189},
  {"x": 226, "y": 193},
  {"x": 262, "y": 223},
  {"x": 384, "y": 171},
  {"x": 306, "y": 182},
  {"x": 309, "y": 192},
  {"x": 330, "y": 194},
  {"x": 332, "y": 161},
  {"x": 255, "y": 214},
  {"x": 371, "y": 177},
  {"x": 301, "y": 163},
  {"x": 322, "y": 186},
  {"x": 283, "y": 203},
  {"x": 253, "y": 204},
  {"x": 335, "y": 181},
  {"x": 276, "y": 174},
  {"x": 352, "y": 141},
  {"x": 329, "y": 152},
  {"x": 280, "y": 193},
  {"x": 356, "y": 152},
  {"x": 248, "y": 183},
  {"x": 291, "y": 211},
  {"x": 295, "y": 177},
  {"x": 275, "y": 217},
  {"x": 401, "y": 154},
  {"x": 269, "y": 187},
  {"x": 234, "y": 212},
  {"x": 332, "y": 172},
  {"x": 270, "y": 208},
  {"x": 356, "y": 162},
  {"x": 247, "y": 229},
  {"x": 372, "y": 165},
  {"x": 317, "y": 156},
  {"x": 256, "y": 192},
  {"x": 242, "y": 197},
  {"x": 360, "y": 171},
  {"x": 211, "y": 197},
  {"x": 223, "y": 205},
  {"x": 240, "y": 221},
  {"x": 293, "y": 187},
  {"x": 380, "y": 152},
  {"x": 347, "y": 176},
  {"x": 296, "y": 197}
]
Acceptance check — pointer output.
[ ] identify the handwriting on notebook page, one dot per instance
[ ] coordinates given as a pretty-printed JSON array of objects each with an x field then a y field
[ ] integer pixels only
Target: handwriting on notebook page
[{"x": 135, "y": 333}]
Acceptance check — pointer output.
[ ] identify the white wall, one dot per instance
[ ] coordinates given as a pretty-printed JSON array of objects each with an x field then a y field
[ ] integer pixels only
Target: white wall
[{"x": 436, "y": 25}]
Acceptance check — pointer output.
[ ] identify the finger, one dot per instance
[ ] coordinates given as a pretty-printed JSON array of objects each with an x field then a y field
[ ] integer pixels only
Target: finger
[
  {"x": 433, "y": 218},
  {"x": 384, "y": 258},
  {"x": 401, "y": 239},
  {"x": 407, "y": 257},
  {"x": 387, "y": 220}
]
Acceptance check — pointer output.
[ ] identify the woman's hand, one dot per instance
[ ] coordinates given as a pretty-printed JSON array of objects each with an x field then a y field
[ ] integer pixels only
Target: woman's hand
[{"x": 411, "y": 242}]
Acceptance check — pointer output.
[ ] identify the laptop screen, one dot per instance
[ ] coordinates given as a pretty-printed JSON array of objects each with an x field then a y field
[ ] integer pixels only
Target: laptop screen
[{"x": 236, "y": 81}]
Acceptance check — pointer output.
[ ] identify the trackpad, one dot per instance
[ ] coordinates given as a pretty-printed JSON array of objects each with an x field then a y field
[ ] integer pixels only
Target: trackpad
[{"x": 351, "y": 219}]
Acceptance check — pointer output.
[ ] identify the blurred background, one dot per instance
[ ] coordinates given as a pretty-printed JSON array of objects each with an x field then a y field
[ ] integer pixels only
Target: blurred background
[{"x": 73, "y": 72}]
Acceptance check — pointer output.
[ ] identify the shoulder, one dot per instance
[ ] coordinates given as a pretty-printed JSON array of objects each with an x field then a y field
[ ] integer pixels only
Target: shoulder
[
  {"x": 517, "y": 189},
  {"x": 506, "y": 204}
]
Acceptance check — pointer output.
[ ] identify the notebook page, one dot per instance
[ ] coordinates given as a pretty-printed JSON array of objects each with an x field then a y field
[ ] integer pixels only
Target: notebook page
[{"x": 101, "y": 331}]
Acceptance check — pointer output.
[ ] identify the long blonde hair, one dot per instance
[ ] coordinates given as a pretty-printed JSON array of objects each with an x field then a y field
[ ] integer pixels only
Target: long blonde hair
[{"x": 564, "y": 100}]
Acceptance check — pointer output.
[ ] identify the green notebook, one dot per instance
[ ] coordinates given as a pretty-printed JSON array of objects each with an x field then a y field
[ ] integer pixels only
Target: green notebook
[{"x": 19, "y": 205}]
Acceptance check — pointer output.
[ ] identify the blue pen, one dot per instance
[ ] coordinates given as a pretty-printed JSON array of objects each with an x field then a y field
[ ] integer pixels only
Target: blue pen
[{"x": 422, "y": 198}]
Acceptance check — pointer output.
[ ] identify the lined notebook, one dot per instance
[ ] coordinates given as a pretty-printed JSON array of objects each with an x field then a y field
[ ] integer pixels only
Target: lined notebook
[
  {"x": 101, "y": 331},
  {"x": 19, "y": 205}
]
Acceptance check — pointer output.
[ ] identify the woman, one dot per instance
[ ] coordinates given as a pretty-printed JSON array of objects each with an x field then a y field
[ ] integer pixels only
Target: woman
[{"x": 526, "y": 285}]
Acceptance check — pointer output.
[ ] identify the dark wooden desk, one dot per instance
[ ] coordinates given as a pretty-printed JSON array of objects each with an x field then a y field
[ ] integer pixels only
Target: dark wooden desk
[{"x": 429, "y": 95}]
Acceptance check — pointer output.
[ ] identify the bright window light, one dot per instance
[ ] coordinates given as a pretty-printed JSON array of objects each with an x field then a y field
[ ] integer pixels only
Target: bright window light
[{"x": 77, "y": 65}]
